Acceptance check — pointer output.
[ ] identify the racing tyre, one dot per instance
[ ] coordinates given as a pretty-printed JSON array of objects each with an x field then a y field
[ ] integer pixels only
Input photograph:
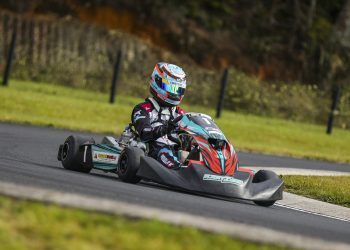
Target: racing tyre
[
  {"x": 129, "y": 163},
  {"x": 261, "y": 176},
  {"x": 264, "y": 203},
  {"x": 71, "y": 154}
]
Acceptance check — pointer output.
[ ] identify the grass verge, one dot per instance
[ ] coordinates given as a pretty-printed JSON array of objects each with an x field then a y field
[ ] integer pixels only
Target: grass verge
[
  {"x": 331, "y": 189},
  {"x": 64, "y": 107},
  {"x": 32, "y": 225}
]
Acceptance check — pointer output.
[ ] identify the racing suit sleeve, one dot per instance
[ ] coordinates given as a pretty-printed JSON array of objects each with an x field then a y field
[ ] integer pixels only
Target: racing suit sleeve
[{"x": 142, "y": 122}]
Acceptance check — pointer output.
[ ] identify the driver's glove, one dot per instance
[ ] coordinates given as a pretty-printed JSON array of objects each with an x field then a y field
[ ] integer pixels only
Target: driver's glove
[
  {"x": 170, "y": 126},
  {"x": 164, "y": 129}
]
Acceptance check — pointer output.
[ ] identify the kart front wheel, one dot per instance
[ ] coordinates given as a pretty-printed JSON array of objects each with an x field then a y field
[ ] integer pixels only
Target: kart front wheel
[
  {"x": 71, "y": 155},
  {"x": 264, "y": 203},
  {"x": 129, "y": 163}
]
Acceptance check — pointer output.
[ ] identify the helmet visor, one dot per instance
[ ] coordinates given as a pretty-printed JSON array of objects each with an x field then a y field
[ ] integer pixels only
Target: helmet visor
[{"x": 173, "y": 89}]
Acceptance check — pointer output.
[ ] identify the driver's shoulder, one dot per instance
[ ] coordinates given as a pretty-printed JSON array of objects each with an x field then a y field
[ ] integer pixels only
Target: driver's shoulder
[
  {"x": 141, "y": 110},
  {"x": 146, "y": 106}
]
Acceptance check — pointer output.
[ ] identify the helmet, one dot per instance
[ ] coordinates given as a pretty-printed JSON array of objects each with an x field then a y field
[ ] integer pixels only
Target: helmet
[{"x": 168, "y": 83}]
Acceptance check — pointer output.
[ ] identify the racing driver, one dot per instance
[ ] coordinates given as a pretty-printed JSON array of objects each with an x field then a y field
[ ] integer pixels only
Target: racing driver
[{"x": 153, "y": 118}]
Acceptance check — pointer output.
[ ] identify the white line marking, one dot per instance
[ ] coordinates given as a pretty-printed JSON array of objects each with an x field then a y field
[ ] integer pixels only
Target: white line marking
[
  {"x": 310, "y": 212},
  {"x": 315, "y": 207},
  {"x": 236, "y": 229}
]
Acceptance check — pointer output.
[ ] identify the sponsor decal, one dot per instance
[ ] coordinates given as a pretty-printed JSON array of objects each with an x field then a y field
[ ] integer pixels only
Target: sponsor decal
[
  {"x": 105, "y": 157},
  {"x": 138, "y": 116},
  {"x": 166, "y": 161},
  {"x": 222, "y": 179},
  {"x": 138, "y": 113}
]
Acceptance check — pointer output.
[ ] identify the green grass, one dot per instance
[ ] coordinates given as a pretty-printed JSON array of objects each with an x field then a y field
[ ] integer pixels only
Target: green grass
[
  {"x": 31, "y": 225},
  {"x": 331, "y": 189},
  {"x": 63, "y": 107}
]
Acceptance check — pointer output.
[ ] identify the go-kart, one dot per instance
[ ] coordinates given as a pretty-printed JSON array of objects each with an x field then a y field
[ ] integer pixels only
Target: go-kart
[{"x": 209, "y": 163}]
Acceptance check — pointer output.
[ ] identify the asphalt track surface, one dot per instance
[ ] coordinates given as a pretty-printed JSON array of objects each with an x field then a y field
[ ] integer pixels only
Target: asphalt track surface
[{"x": 28, "y": 157}]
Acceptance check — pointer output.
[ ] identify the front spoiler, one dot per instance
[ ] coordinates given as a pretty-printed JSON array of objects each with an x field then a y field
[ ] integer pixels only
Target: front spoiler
[{"x": 192, "y": 179}]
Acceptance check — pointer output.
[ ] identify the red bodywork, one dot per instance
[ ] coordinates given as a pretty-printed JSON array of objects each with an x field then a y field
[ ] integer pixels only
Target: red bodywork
[
  {"x": 217, "y": 153},
  {"x": 211, "y": 157}
]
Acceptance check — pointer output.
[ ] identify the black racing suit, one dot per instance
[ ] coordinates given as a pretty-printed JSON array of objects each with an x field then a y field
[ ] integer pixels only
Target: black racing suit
[{"x": 151, "y": 122}]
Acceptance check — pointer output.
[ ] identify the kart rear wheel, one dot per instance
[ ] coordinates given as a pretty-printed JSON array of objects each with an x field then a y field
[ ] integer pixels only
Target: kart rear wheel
[
  {"x": 71, "y": 156},
  {"x": 261, "y": 176},
  {"x": 129, "y": 163}
]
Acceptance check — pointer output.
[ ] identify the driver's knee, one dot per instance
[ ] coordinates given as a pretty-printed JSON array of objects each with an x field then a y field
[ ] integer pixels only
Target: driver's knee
[{"x": 168, "y": 159}]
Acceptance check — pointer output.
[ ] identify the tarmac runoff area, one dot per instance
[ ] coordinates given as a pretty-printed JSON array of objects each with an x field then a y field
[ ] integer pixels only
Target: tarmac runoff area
[
  {"x": 311, "y": 206},
  {"x": 307, "y": 205},
  {"x": 235, "y": 229}
]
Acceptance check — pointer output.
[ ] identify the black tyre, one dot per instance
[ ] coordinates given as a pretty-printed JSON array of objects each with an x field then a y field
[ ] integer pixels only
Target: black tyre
[
  {"x": 264, "y": 175},
  {"x": 261, "y": 176},
  {"x": 264, "y": 203},
  {"x": 72, "y": 155},
  {"x": 129, "y": 163}
]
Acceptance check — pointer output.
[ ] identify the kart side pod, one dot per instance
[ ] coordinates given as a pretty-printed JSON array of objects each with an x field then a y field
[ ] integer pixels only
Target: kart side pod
[
  {"x": 81, "y": 155},
  {"x": 263, "y": 187}
]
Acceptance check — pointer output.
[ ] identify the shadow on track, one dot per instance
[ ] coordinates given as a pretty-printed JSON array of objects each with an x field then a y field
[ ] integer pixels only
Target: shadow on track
[
  {"x": 153, "y": 185},
  {"x": 114, "y": 177}
]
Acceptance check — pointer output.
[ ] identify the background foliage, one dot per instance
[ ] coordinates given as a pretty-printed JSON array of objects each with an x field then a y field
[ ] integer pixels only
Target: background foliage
[{"x": 284, "y": 56}]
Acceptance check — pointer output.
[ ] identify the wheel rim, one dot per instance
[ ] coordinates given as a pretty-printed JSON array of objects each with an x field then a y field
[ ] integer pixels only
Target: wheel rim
[
  {"x": 123, "y": 164},
  {"x": 65, "y": 150}
]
